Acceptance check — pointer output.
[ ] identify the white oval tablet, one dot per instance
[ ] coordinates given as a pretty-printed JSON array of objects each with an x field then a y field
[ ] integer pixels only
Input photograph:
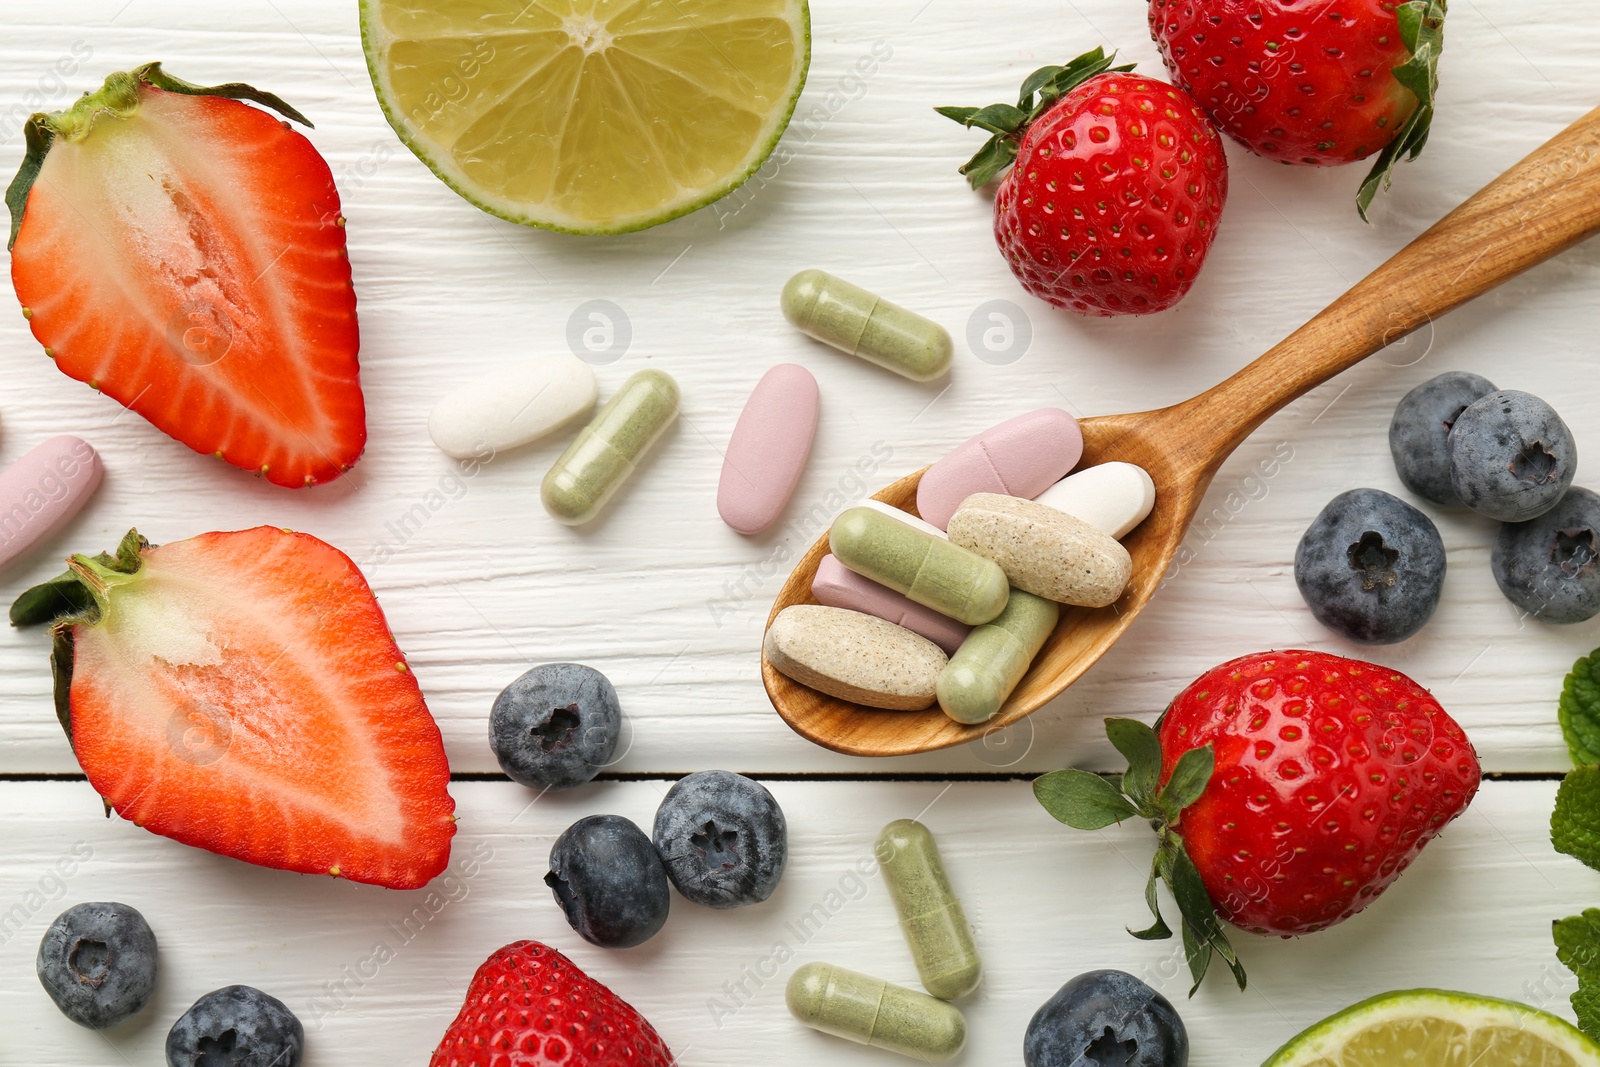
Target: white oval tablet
[
  {"x": 1112, "y": 497},
  {"x": 904, "y": 516},
  {"x": 513, "y": 407},
  {"x": 42, "y": 490}
]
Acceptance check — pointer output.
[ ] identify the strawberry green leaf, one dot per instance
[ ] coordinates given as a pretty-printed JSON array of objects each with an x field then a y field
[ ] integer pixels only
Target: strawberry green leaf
[
  {"x": 152, "y": 74},
  {"x": 989, "y": 161},
  {"x": 1082, "y": 800},
  {"x": 118, "y": 96},
  {"x": 1157, "y": 931},
  {"x": 1042, "y": 77},
  {"x": 1575, "y": 823},
  {"x": 1202, "y": 929},
  {"x": 1007, "y": 123},
  {"x": 1422, "y": 31},
  {"x": 60, "y": 596},
  {"x": 1577, "y": 941},
  {"x": 1142, "y": 749},
  {"x": 1580, "y": 710},
  {"x": 1189, "y": 779}
]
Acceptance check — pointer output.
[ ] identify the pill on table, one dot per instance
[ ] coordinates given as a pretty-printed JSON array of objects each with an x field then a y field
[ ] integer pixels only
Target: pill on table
[
  {"x": 768, "y": 450},
  {"x": 838, "y": 586},
  {"x": 854, "y": 657},
  {"x": 930, "y": 913},
  {"x": 606, "y": 451},
  {"x": 511, "y": 408},
  {"x": 1022, "y": 457},
  {"x": 870, "y": 1011},
  {"x": 1044, "y": 551},
  {"x": 994, "y": 657},
  {"x": 1114, "y": 497},
  {"x": 42, "y": 490},
  {"x": 853, "y": 320},
  {"x": 903, "y": 516},
  {"x": 932, "y": 571}
]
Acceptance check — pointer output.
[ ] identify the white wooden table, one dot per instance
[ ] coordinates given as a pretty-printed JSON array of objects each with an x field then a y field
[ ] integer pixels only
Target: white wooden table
[{"x": 479, "y": 584}]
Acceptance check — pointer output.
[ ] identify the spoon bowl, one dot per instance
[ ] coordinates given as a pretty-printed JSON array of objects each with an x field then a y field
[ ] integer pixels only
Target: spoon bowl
[{"x": 1540, "y": 207}]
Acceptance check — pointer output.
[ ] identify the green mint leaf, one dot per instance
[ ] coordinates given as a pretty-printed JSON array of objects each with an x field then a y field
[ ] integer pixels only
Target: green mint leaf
[
  {"x": 1082, "y": 800},
  {"x": 1575, "y": 824},
  {"x": 1189, "y": 779},
  {"x": 1140, "y": 747},
  {"x": 1577, "y": 941},
  {"x": 1580, "y": 710}
]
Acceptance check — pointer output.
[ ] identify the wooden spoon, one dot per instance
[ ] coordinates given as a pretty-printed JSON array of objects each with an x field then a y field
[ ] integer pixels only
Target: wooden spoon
[{"x": 1545, "y": 204}]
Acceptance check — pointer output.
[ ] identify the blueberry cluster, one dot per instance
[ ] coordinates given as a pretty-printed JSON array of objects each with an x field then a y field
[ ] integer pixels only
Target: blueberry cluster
[
  {"x": 1371, "y": 567},
  {"x": 98, "y": 963},
  {"x": 720, "y": 838}
]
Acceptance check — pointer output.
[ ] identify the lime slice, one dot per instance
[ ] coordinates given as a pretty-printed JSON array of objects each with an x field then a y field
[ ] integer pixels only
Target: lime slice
[
  {"x": 588, "y": 116},
  {"x": 1432, "y": 1028}
]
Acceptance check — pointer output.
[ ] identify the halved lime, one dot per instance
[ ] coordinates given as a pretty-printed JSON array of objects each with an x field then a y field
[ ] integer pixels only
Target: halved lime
[
  {"x": 1433, "y": 1028},
  {"x": 588, "y": 116}
]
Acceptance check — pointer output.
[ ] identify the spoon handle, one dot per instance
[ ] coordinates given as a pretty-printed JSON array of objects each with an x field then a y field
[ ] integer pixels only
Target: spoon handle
[{"x": 1542, "y": 206}]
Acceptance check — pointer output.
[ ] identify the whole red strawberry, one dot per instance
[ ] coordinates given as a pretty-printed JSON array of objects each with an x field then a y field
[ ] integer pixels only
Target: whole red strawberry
[
  {"x": 530, "y": 1006},
  {"x": 1315, "y": 84},
  {"x": 183, "y": 253},
  {"x": 1289, "y": 789},
  {"x": 1116, "y": 185}
]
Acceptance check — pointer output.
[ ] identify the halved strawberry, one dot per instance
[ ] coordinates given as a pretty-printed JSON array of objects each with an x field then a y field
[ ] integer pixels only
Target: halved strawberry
[
  {"x": 241, "y": 692},
  {"x": 183, "y": 253}
]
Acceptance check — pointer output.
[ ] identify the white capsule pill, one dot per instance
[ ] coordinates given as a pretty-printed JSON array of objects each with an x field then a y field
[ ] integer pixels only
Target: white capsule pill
[
  {"x": 1113, "y": 497},
  {"x": 905, "y": 517},
  {"x": 513, "y": 407},
  {"x": 42, "y": 490}
]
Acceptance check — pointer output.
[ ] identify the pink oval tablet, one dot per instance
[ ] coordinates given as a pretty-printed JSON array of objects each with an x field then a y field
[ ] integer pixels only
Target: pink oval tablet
[
  {"x": 768, "y": 450},
  {"x": 1022, "y": 457},
  {"x": 42, "y": 490},
  {"x": 838, "y": 586}
]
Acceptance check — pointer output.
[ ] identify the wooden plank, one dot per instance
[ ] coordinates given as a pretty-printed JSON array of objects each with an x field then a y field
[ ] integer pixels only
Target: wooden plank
[
  {"x": 1047, "y": 903},
  {"x": 479, "y": 583}
]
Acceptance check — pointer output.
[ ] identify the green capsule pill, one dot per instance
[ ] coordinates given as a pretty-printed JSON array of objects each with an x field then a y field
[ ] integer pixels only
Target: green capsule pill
[
  {"x": 870, "y": 1011},
  {"x": 994, "y": 657},
  {"x": 930, "y": 913},
  {"x": 853, "y": 320},
  {"x": 952, "y": 580},
  {"x": 605, "y": 452}
]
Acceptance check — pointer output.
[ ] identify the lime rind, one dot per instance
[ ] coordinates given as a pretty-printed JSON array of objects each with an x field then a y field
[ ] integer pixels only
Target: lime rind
[
  {"x": 1323, "y": 1044},
  {"x": 449, "y": 173}
]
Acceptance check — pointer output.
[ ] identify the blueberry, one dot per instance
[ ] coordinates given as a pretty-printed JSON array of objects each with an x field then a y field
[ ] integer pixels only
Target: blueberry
[
  {"x": 1550, "y": 566},
  {"x": 607, "y": 877},
  {"x": 723, "y": 839},
  {"x": 1419, "y": 433},
  {"x": 1370, "y": 567},
  {"x": 1511, "y": 456},
  {"x": 98, "y": 963},
  {"x": 1106, "y": 1019},
  {"x": 556, "y": 726},
  {"x": 236, "y": 1026}
]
